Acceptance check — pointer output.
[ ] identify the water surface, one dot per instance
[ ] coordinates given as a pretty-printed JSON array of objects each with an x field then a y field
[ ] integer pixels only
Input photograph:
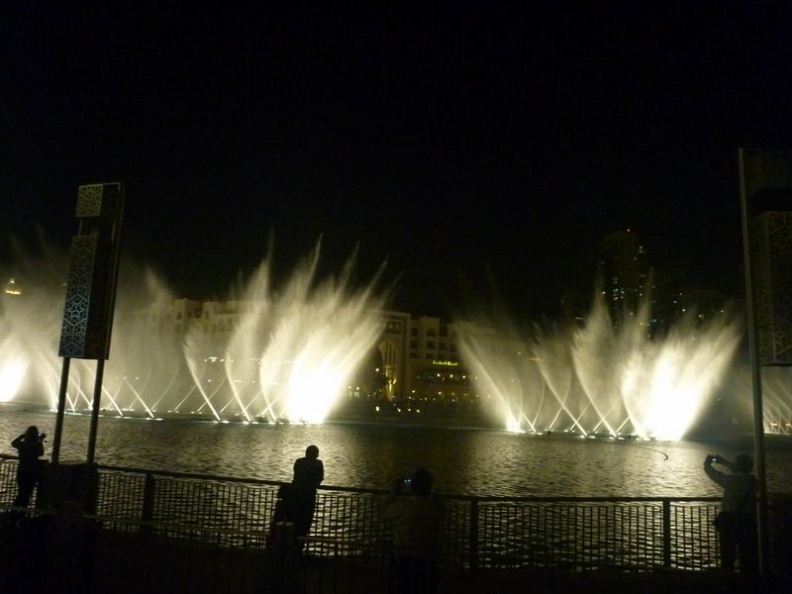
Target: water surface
[{"x": 464, "y": 461}]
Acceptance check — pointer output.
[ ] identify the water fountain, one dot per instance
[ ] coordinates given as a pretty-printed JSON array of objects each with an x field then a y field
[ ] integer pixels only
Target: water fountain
[
  {"x": 282, "y": 354},
  {"x": 598, "y": 380},
  {"x": 288, "y": 354}
]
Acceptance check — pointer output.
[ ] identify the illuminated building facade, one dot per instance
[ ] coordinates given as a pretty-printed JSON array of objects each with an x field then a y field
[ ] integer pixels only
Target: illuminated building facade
[
  {"x": 416, "y": 358},
  {"x": 435, "y": 374}
]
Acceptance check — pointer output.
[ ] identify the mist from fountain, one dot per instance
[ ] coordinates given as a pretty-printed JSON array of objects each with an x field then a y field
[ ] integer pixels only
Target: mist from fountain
[
  {"x": 283, "y": 354},
  {"x": 288, "y": 353},
  {"x": 601, "y": 380}
]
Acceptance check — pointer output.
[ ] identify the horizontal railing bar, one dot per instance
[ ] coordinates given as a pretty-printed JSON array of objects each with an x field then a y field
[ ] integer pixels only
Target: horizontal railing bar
[{"x": 357, "y": 490}]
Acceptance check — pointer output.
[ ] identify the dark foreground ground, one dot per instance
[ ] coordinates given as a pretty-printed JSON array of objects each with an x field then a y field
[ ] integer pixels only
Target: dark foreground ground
[
  {"x": 596, "y": 582},
  {"x": 74, "y": 560}
]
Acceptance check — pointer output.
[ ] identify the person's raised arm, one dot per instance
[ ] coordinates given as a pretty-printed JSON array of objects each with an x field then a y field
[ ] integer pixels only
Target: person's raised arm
[{"x": 712, "y": 472}]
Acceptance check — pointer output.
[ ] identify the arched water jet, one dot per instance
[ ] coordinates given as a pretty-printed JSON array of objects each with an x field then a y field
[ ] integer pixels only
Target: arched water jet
[
  {"x": 604, "y": 380},
  {"x": 284, "y": 354}
]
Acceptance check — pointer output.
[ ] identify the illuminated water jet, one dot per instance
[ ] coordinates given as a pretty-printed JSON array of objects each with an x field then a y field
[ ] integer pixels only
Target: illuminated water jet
[
  {"x": 288, "y": 354},
  {"x": 598, "y": 380},
  {"x": 271, "y": 355}
]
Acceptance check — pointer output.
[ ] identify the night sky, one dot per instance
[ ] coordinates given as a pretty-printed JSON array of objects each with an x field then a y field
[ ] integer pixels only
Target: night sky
[{"x": 479, "y": 150}]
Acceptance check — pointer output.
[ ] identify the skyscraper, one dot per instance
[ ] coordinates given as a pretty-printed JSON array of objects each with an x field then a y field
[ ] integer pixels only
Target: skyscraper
[{"x": 622, "y": 273}]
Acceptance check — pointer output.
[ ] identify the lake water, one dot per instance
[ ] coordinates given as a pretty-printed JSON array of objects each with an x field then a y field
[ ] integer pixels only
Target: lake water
[{"x": 463, "y": 460}]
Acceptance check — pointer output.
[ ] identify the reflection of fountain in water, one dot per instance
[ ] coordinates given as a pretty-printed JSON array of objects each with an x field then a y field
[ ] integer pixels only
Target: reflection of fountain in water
[
  {"x": 270, "y": 355},
  {"x": 597, "y": 380}
]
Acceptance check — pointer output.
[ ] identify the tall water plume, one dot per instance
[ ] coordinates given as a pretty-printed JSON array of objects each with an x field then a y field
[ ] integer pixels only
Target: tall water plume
[
  {"x": 269, "y": 354},
  {"x": 601, "y": 380}
]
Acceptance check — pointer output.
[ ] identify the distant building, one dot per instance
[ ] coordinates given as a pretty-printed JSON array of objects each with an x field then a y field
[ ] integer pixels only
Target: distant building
[
  {"x": 705, "y": 304},
  {"x": 435, "y": 372},
  {"x": 668, "y": 298},
  {"x": 11, "y": 291},
  {"x": 622, "y": 273},
  {"x": 575, "y": 307},
  {"x": 627, "y": 282},
  {"x": 12, "y": 288},
  {"x": 417, "y": 359}
]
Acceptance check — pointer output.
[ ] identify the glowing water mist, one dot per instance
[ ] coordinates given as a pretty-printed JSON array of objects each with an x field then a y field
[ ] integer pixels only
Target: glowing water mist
[
  {"x": 284, "y": 354},
  {"x": 598, "y": 380},
  {"x": 291, "y": 354}
]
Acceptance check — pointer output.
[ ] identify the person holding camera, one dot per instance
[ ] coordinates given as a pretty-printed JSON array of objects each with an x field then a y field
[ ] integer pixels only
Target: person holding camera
[
  {"x": 416, "y": 517},
  {"x": 736, "y": 522},
  {"x": 29, "y": 447}
]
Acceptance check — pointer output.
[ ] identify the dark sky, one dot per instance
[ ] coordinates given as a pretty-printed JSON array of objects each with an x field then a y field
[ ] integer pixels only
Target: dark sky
[{"x": 460, "y": 144}]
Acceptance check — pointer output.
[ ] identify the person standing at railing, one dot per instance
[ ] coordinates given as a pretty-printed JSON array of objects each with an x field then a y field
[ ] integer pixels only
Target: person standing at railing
[
  {"x": 29, "y": 447},
  {"x": 736, "y": 522},
  {"x": 308, "y": 475},
  {"x": 416, "y": 516}
]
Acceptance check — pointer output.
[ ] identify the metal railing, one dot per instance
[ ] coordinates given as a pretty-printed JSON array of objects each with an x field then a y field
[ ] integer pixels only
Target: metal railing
[
  {"x": 164, "y": 519},
  {"x": 479, "y": 532}
]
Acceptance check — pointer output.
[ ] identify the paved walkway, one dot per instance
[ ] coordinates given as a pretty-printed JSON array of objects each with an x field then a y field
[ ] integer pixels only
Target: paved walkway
[
  {"x": 612, "y": 582},
  {"x": 85, "y": 562}
]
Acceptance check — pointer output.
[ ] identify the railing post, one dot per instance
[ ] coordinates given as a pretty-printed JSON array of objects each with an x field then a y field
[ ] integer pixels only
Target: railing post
[
  {"x": 666, "y": 533},
  {"x": 474, "y": 534},
  {"x": 148, "y": 506},
  {"x": 283, "y": 556}
]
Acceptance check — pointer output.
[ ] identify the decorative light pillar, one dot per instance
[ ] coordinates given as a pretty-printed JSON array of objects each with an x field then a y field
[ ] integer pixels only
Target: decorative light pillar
[{"x": 90, "y": 294}]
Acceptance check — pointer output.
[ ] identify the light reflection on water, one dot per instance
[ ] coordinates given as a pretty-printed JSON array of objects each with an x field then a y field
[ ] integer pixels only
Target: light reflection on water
[{"x": 464, "y": 461}]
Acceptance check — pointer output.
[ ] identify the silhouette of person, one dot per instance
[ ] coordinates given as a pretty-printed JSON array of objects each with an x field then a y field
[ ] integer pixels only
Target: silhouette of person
[
  {"x": 738, "y": 534},
  {"x": 416, "y": 517},
  {"x": 308, "y": 475},
  {"x": 30, "y": 448}
]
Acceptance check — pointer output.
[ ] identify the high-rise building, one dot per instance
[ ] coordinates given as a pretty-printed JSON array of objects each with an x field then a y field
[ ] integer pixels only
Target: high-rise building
[
  {"x": 622, "y": 273},
  {"x": 668, "y": 293}
]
